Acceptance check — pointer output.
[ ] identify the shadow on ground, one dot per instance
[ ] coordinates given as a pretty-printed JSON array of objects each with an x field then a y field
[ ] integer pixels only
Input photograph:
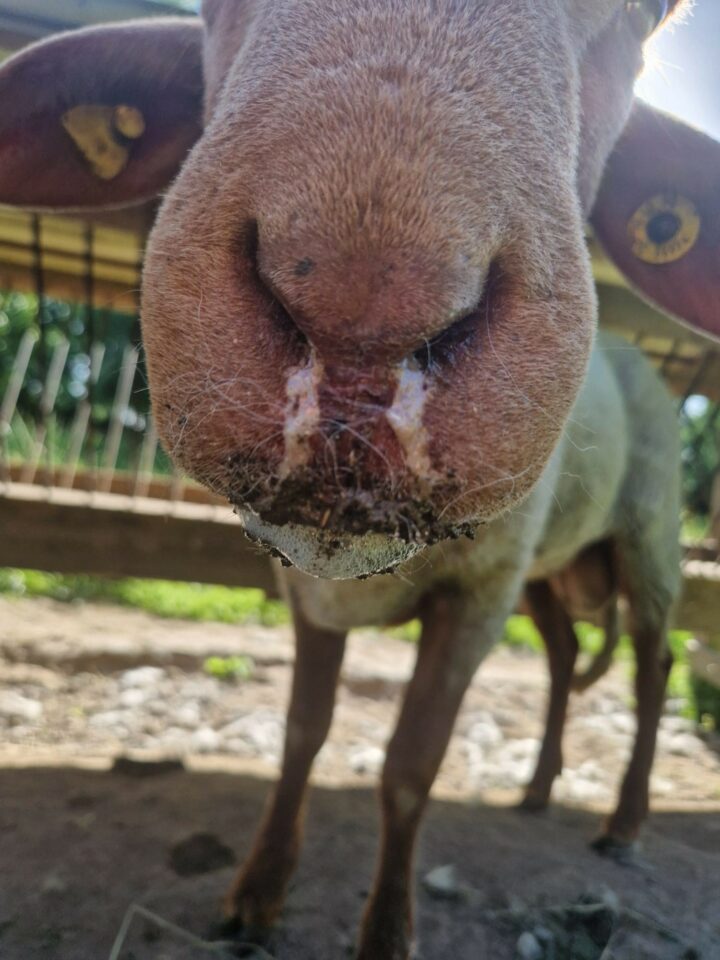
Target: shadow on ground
[{"x": 77, "y": 848}]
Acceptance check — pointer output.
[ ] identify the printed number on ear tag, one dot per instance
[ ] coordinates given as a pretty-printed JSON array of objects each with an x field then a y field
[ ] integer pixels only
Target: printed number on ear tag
[
  {"x": 664, "y": 229},
  {"x": 102, "y": 134}
]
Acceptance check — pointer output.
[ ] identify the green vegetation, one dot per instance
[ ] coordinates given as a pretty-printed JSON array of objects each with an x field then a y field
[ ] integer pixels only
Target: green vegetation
[
  {"x": 694, "y": 527},
  {"x": 193, "y": 601},
  {"x": 707, "y": 703},
  {"x": 700, "y": 440},
  {"x": 229, "y": 669},
  {"x": 521, "y": 632},
  {"x": 186, "y": 601},
  {"x": 55, "y": 324}
]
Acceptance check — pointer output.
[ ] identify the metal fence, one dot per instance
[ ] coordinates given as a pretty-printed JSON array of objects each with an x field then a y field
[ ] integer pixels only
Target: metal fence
[
  {"x": 84, "y": 485},
  {"x": 74, "y": 404}
]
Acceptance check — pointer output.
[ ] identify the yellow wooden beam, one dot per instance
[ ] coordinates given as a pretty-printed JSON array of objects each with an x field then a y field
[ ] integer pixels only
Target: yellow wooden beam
[
  {"x": 69, "y": 531},
  {"x": 115, "y": 258},
  {"x": 71, "y": 287},
  {"x": 62, "y": 235}
]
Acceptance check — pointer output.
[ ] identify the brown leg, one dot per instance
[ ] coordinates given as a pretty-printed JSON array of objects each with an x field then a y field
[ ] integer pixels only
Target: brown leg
[
  {"x": 450, "y": 649},
  {"x": 561, "y": 644},
  {"x": 257, "y": 895},
  {"x": 653, "y": 667},
  {"x": 602, "y": 662}
]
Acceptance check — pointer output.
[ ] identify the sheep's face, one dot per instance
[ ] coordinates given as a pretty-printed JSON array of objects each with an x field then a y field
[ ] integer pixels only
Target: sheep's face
[
  {"x": 367, "y": 300},
  {"x": 368, "y": 305}
]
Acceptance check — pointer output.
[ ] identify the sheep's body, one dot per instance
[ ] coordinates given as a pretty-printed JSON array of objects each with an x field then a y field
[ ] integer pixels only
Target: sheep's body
[
  {"x": 368, "y": 311},
  {"x": 614, "y": 475}
]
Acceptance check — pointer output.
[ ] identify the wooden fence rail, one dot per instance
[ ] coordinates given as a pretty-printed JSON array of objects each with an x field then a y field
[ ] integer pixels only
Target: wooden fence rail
[{"x": 75, "y": 531}]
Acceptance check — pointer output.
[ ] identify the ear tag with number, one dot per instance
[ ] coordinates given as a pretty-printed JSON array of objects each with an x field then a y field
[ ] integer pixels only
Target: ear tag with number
[{"x": 102, "y": 135}]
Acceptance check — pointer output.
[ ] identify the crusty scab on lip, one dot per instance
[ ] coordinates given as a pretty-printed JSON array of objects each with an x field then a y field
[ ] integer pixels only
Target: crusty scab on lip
[
  {"x": 302, "y": 414},
  {"x": 405, "y": 416}
]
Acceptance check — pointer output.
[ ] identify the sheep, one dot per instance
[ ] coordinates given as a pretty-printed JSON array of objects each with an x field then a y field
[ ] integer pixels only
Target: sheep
[{"x": 370, "y": 324}]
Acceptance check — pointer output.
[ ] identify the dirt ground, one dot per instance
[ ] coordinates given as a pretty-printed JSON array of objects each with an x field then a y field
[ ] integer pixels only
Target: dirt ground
[{"x": 81, "y": 842}]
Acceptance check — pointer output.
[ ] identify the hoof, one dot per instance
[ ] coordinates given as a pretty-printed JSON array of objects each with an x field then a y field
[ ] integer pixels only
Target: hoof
[
  {"x": 239, "y": 940},
  {"x": 626, "y": 854},
  {"x": 243, "y": 951},
  {"x": 534, "y": 803}
]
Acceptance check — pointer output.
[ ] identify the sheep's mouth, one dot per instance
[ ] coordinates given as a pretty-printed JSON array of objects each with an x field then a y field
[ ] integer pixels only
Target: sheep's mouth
[
  {"x": 340, "y": 533},
  {"x": 307, "y": 499},
  {"x": 327, "y": 554}
]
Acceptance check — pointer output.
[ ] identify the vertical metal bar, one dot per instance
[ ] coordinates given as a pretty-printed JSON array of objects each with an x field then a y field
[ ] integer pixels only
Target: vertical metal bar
[
  {"x": 81, "y": 421},
  {"x": 698, "y": 378},
  {"x": 668, "y": 358},
  {"x": 146, "y": 463},
  {"x": 177, "y": 486},
  {"x": 89, "y": 278},
  {"x": 41, "y": 423},
  {"x": 131, "y": 356},
  {"x": 715, "y": 506},
  {"x": 39, "y": 283},
  {"x": 10, "y": 399},
  {"x": 47, "y": 404},
  {"x": 97, "y": 349}
]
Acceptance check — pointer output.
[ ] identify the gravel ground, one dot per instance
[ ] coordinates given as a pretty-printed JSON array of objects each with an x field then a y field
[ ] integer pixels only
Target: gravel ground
[{"x": 81, "y": 685}]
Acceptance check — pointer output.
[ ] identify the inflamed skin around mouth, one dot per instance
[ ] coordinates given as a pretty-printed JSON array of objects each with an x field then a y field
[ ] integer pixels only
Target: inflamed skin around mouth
[{"x": 303, "y": 516}]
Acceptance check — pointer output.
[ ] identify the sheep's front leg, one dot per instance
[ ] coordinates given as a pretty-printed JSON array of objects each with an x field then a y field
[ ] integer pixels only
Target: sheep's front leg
[
  {"x": 257, "y": 896},
  {"x": 452, "y": 644}
]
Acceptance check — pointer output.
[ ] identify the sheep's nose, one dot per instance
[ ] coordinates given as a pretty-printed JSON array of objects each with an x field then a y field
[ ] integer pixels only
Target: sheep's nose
[{"x": 348, "y": 305}]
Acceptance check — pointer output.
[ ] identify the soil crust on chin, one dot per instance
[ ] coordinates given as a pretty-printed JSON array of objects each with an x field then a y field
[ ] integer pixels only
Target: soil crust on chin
[{"x": 82, "y": 837}]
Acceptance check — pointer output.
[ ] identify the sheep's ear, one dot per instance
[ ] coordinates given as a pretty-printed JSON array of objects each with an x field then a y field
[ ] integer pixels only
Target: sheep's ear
[
  {"x": 100, "y": 117},
  {"x": 658, "y": 215}
]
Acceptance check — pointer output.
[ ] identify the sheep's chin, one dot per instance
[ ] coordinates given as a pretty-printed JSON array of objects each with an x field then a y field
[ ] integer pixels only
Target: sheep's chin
[{"x": 328, "y": 554}]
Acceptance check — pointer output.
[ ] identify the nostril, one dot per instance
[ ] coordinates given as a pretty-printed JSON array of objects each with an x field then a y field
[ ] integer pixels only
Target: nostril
[
  {"x": 444, "y": 349},
  {"x": 249, "y": 243},
  {"x": 447, "y": 347},
  {"x": 249, "y": 246},
  {"x": 281, "y": 316}
]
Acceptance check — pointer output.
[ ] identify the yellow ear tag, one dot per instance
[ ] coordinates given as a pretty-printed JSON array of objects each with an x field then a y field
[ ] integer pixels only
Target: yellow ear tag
[
  {"x": 99, "y": 133},
  {"x": 664, "y": 229}
]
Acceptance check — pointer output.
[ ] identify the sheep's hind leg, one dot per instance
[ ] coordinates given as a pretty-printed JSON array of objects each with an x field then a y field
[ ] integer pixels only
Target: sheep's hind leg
[
  {"x": 653, "y": 667},
  {"x": 650, "y": 580},
  {"x": 558, "y": 633},
  {"x": 258, "y": 894}
]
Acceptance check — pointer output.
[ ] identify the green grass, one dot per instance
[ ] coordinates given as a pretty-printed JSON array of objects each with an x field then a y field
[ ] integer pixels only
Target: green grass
[
  {"x": 185, "y": 601},
  {"x": 707, "y": 703},
  {"x": 694, "y": 527},
  {"x": 521, "y": 632},
  {"x": 193, "y": 601},
  {"x": 229, "y": 669},
  {"x": 18, "y": 446}
]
